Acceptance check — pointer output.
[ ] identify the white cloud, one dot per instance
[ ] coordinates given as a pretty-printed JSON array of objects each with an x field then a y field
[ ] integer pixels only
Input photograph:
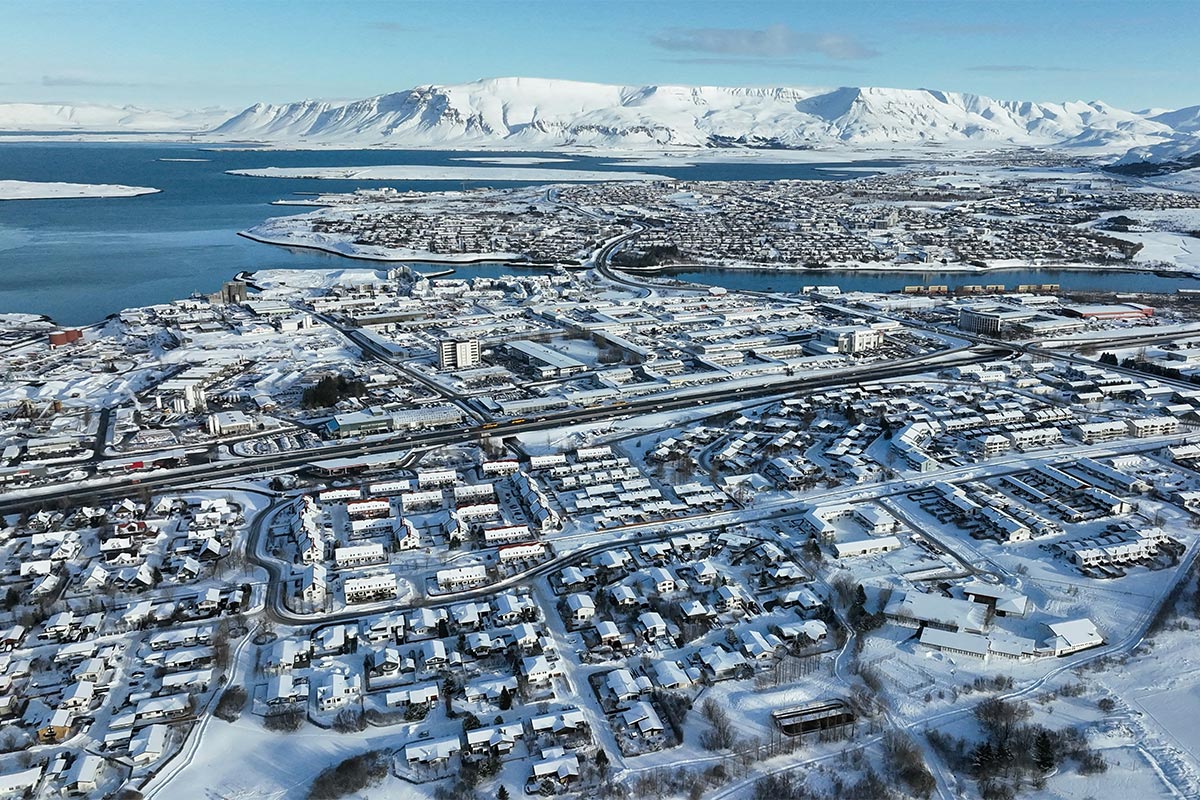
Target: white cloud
[{"x": 776, "y": 41}]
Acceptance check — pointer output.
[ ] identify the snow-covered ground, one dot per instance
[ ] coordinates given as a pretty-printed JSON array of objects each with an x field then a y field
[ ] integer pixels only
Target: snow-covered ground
[
  {"x": 39, "y": 190},
  {"x": 1187, "y": 180},
  {"x": 514, "y": 161},
  {"x": 44, "y": 118}
]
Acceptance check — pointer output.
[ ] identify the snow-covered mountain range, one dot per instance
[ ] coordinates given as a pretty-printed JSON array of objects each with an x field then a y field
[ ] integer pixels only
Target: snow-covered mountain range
[
  {"x": 58, "y": 117},
  {"x": 535, "y": 113}
]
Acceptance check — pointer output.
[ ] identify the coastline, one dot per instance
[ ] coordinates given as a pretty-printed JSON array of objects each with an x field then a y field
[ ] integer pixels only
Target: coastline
[
  {"x": 425, "y": 258},
  {"x": 916, "y": 269},
  {"x": 451, "y": 173},
  {"x": 673, "y": 270}
]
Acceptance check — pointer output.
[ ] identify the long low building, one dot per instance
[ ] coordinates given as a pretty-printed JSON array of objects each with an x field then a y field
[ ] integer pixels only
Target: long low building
[
  {"x": 975, "y": 645},
  {"x": 1113, "y": 548},
  {"x": 1109, "y": 311},
  {"x": 366, "y": 422},
  {"x": 521, "y": 552},
  {"x": 548, "y": 362},
  {"x": 332, "y": 467},
  {"x": 866, "y": 547},
  {"x": 461, "y": 577},
  {"x": 370, "y": 588},
  {"x": 359, "y": 555},
  {"x": 1072, "y": 636},
  {"x": 507, "y": 533},
  {"x": 921, "y": 610}
]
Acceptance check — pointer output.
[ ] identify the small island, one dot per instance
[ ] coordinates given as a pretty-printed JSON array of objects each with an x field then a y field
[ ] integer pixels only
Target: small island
[{"x": 45, "y": 190}]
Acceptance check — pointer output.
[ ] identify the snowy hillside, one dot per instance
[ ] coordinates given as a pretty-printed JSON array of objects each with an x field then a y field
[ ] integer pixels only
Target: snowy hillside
[
  {"x": 39, "y": 117},
  {"x": 1179, "y": 153},
  {"x": 537, "y": 113},
  {"x": 1183, "y": 120}
]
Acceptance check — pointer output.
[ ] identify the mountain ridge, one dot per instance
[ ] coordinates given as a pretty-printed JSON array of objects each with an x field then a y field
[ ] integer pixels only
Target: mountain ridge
[
  {"x": 556, "y": 113},
  {"x": 92, "y": 117},
  {"x": 543, "y": 113}
]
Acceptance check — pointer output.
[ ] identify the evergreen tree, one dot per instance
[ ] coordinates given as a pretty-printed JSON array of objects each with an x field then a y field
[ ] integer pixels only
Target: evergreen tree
[
  {"x": 330, "y": 390},
  {"x": 502, "y": 794},
  {"x": 1004, "y": 758},
  {"x": 602, "y": 762},
  {"x": 862, "y": 620},
  {"x": 1043, "y": 752},
  {"x": 983, "y": 760}
]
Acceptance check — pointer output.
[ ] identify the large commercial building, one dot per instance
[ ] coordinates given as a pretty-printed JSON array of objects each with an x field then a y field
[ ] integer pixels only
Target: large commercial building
[
  {"x": 230, "y": 423},
  {"x": 363, "y": 423},
  {"x": 991, "y": 320},
  {"x": 851, "y": 339},
  {"x": 548, "y": 363},
  {"x": 1110, "y": 311},
  {"x": 1001, "y": 320}
]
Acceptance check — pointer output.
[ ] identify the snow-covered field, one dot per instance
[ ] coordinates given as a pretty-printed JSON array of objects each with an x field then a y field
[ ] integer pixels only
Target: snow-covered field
[
  {"x": 1187, "y": 180},
  {"x": 39, "y": 190},
  {"x": 422, "y": 172}
]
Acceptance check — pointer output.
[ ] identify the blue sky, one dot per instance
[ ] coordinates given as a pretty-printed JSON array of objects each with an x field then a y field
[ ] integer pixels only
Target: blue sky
[{"x": 170, "y": 53}]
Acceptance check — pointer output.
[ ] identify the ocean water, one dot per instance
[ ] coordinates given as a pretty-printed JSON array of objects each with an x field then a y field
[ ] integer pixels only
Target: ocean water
[{"x": 80, "y": 260}]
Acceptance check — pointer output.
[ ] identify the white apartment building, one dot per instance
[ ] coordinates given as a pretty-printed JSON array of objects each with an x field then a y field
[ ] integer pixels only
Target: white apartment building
[
  {"x": 506, "y": 534},
  {"x": 521, "y": 552},
  {"x": 1095, "y": 432},
  {"x": 1152, "y": 426},
  {"x": 370, "y": 588},
  {"x": 456, "y": 354},
  {"x": 1033, "y": 438},
  {"x": 461, "y": 577},
  {"x": 359, "y": 555}
]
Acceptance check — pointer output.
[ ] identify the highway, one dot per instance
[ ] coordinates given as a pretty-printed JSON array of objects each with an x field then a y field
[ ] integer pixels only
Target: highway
[
  {"x": 645, "y": 289},
  {"x": 373, "y": 350},
  {"x": 123, "y": 485}
]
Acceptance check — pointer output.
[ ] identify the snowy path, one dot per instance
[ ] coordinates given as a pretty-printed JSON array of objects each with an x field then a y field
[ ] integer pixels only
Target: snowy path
[
  {"x": 195, "y": 736},
  {"x": 576, "y": 675}
]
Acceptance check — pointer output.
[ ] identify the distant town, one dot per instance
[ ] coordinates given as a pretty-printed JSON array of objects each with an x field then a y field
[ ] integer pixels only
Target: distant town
[
  {"x": 588, "y": 530},
  {"x": 970, "y": 217}
]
